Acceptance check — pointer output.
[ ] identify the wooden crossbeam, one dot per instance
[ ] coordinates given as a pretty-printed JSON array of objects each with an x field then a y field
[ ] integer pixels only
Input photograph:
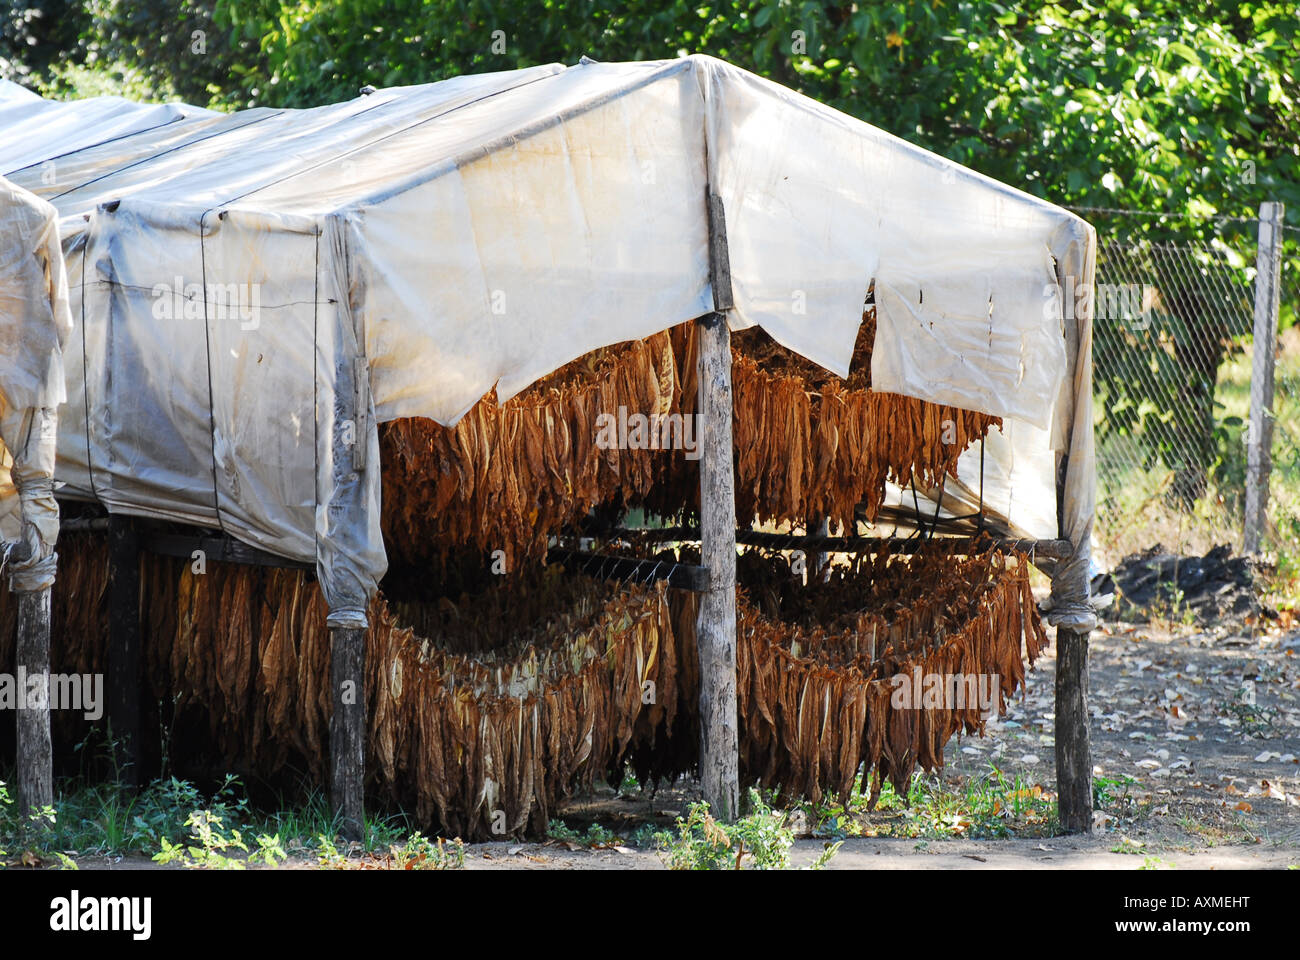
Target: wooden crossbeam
[
  {"x": 219, "y": 548},
  {"x": 1041, "y": 549},
  {"x": 683, "y": 576}
]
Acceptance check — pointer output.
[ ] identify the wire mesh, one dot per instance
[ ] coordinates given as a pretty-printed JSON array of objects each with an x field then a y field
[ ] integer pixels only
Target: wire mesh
[
  {"x": 1282, "y": 532},
  {"x": 1172, "y": 357}
]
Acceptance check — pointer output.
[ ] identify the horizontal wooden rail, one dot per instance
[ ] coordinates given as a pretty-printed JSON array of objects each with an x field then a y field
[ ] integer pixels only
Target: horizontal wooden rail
[
  {"x": 684, "y": 576},
  {"x": 83, "y": 524},
  {"x": 221, "y": 549},
  {"x": 1040, "y": 549}
]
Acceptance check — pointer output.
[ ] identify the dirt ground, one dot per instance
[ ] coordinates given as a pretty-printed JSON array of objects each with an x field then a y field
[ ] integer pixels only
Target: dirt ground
[
  {"x": 1092, "y": 853},
  {"x": 1216, "y": 781}
]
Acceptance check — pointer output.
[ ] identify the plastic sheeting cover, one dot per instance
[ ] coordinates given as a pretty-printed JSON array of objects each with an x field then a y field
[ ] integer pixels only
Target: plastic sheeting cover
[
  {"x": 34, "y": 325},
  {"x": 411, "y": 250}
]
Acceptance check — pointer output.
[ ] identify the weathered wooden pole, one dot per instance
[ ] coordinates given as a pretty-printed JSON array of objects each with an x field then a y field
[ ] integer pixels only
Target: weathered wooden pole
[
  {"x": 32, "y": 570},
  {"x": 347, "y": 730},
  {"x": 124, "y": 647},
  {"x": 1259, "y": 437},
  {"x": 35, "y": 751},
  {"x": 716, "y": 625},
  {"x": 350, "y": 434},
  {"x": 1073, "y": 753}
]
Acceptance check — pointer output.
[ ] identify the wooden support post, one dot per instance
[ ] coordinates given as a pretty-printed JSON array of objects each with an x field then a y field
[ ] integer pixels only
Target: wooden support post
[
  {"x": 1259, "y": 438},
  {"x": 35, "y": 752},
  {"x": 124, "y": 646},
  {"x": 348, "y": 427},
  {"x": 819, "y": 561},
  {"x": 1073, "y": 754},
  {"x": 716, "y": 626},
  {"x": 348, "y": 730}
]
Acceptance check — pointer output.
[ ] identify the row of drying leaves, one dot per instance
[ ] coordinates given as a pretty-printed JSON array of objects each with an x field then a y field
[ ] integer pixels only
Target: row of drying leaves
[
  {"x": 483, "y": 741},
  {"x": 808, "y": 445}
]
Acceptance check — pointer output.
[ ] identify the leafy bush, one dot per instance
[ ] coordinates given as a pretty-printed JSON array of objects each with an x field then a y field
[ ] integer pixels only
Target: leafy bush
[
  {"x": 211, "y": 845},
  {"x": 759, "y": 841},
  {"x": 421, "y": 853}
]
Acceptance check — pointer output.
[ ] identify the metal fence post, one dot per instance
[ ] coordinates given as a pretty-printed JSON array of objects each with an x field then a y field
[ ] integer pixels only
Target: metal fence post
[{"x": 1259, "y": 439}]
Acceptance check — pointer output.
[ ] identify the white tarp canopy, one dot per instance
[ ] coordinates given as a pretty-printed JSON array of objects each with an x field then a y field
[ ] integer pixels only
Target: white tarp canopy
[
  {"x": 249, "y": 288},
  {"x": 34, "y": 326}
]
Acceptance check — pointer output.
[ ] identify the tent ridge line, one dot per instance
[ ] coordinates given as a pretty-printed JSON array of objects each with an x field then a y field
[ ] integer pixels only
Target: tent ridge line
[
  {"x": 526, "y": 132},
  {"x": 92, "y": 146},
  {"x": 146, "y": 159},
  {"x": 387, "y": 136}
]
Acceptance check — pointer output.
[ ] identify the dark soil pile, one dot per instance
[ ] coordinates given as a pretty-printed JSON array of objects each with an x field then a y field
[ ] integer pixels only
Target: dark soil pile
[{"x": 1204, "y": 590}]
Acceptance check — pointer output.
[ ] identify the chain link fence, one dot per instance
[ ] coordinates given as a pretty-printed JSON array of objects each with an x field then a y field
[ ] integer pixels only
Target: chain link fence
[
  {"x": 1282, "y": 532},
  {"x": 1172, "y": 365}
]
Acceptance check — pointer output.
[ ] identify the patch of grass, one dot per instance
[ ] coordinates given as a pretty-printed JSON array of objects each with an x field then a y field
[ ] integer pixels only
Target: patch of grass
[
  {"x": 304, "y": 822},
  {"x": 761, "y": 840},
  {"x": 1208, "y": 833},
  {"x": 210, "y": 843},
  {"x": 596, "y": 836},
  {"x": 1282, "y": 582},
  {"x": 106, "y": 819},
  {"x": 643, "y": 837},
  {"x": 991, "y": 805},
  {"x": 1169, "y": 608},
  {"x": 30, "y": 832},
  {"x": 1113, "y": 793},
  {"x": 175, "y": 820},
  {"x": 1132, "y": 481},
  {"x": 1256, "y": 720},
  {"x": 421, "y": 853},
  {"x": 417, "y": 852}
]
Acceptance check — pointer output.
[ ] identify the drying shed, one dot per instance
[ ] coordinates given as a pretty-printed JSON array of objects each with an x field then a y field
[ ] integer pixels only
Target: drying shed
[{"x": 254, "y": 294}]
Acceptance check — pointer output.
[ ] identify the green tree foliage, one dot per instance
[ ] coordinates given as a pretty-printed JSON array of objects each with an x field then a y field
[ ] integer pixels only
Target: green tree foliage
[
  {"x": 174, "y": 44},
  {"x": 34, "y": 36},
  {"x": 1163, "y": 107},
  {"x": 1173, "y": 106},
  {"x": 1176, "y": 106}
]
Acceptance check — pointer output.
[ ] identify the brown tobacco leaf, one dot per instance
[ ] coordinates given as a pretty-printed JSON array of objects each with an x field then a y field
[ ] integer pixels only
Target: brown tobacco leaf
[
  {"x": 507, "y": 476},
  {"x": 814, "y": 691},
  {"x": 463, "y": 739},
  {"x": 488, "y": 710},
  {"x": 808, "y": 444}
]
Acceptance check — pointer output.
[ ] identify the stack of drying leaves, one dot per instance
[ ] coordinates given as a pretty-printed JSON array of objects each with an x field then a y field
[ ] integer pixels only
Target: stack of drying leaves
[
  {"x": 491, "y": 743},
  {"x": 505, "y": 477},
  {"x": 483, "y": 743},
  {"x": 502, "y": 703},
  {"x": 808, "y": 445},
  {"x": 817, "y": 665},
  {"x": 77, "y": 608},
  {"x": 812, "y": 445},
  {"x": 78, "y": 622}
]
